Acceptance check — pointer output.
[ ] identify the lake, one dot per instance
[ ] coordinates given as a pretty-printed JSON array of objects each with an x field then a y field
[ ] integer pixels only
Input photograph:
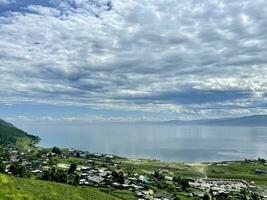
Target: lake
[{"x": 164, "y": 142}]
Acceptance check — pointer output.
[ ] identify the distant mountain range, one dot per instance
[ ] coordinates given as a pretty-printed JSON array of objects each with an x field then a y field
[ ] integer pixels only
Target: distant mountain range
[{"x": 254, "y": 120}]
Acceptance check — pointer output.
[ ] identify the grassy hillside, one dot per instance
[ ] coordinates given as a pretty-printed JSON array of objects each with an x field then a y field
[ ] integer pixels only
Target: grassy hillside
[
  {"x": 13, "y": 188},
  {"x": 238, "y": 170},
  {"x": 12, "y": 135}
]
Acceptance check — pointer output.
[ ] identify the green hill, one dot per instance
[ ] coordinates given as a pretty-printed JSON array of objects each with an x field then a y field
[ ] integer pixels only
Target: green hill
[
  {"x": 9, "y": 134},
  {"x": 3, "y": 123},
  {"x": 13, "y": 188}
]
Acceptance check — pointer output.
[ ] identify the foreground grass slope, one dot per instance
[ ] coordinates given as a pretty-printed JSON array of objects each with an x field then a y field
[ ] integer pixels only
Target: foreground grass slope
[{"x": 13, "y": 188}]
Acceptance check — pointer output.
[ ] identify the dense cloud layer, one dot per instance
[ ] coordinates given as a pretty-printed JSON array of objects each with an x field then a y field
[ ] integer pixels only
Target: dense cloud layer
[{"x": 196, "y": 58}]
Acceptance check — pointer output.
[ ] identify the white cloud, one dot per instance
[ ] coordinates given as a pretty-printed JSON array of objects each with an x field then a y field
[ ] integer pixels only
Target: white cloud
[
  {"x": 47, "y": 11},
  {"x": 4, "y": 2},
  {"x": 129, "y": 54}
]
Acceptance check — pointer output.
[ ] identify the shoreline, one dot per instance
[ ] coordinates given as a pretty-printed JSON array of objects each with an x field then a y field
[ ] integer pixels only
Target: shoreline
[{"x": 144, "y": 158}]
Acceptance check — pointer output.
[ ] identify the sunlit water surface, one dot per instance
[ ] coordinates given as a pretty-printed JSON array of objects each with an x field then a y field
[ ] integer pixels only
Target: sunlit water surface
[{"x": 169, "y": 143}]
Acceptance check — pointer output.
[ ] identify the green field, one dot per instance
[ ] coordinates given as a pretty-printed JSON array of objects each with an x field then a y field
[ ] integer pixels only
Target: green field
[
  {"x": 238, "y": 170},
  {"x": 13, "y": 188}
]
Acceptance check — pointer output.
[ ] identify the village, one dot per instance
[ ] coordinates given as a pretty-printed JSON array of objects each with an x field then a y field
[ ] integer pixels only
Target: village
[{"x": 106, "y": 171}]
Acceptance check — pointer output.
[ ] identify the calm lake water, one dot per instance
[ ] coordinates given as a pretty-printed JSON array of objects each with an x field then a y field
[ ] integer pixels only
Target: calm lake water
[{"x": 169, "y": 143}]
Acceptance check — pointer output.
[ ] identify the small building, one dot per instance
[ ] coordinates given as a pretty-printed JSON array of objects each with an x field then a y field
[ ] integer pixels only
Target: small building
[
  {"x": 199, "y": 194},
  {"x": 96, "y": 180},
  {"x": 259, "y": 171}
]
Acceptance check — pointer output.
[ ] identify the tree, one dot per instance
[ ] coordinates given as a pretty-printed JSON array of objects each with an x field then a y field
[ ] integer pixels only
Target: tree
[
  {"x": 73, "y": 167},
  {"x": 55, "y": 175},
  {"x": 222, "y": 196},
  {"x": 261, "y": 160},
  {"x": 46, "y": 176},
  {"x": 61, "y": 176},
  {"x": 175, "y": 197},
  {"x": 177, "y": 179},
  {"x": 162, "y": 185},
  {"x": 18, "y": 170},
  {"x": 56, "y": 150},
  {"x": 118, "y": 176},
  {"x": 243, "y": 194},
  {"x": 158, "y": 175},
  {"x": 73, "y": 179},
  {"x": 206, "y": 197},
  {"x": 185, "y": 184},
  {"x": 2, "y": 167},
  {"x": 255, "y": 196}
]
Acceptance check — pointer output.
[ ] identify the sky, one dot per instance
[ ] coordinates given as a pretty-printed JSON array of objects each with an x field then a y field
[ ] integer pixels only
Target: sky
[{"x": 132, "y": 60}]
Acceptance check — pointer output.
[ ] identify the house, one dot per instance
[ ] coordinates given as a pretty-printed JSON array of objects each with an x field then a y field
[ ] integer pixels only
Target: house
[
  {"x": 109, "y": 157},
  {"x": 199, "y": 194},
  {"x": 104, "y": 174},
  {"x": 71, "y": 152},
  {"x": 117, "y": 185},
  {"x": 96, "y": 180},
  {"x": 143, "y": 179},
  {"x": 82, "y": 154},
  {"x": 37, "y": 171},
  {"x": 137, "y": 187},
  {"x": 82, "y": 181},
  {"x": 259, "y": 171}
]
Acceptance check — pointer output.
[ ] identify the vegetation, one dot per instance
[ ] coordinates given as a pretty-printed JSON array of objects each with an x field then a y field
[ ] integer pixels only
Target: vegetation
[
  {"x": 183, "y": 182},
  {"x": 240, "y": 170},
  {"x": 18, "y": 170},
  {"x": 56, "y": 150},
  {"x": 118, "y": 176},
  {"x": 13, "y": 188},
  {"x": 10, "y": 135},
  {"x": 62, "y": 169},
  {"x": 2, "y": 167},
  {"x": 73, "y": 167}
]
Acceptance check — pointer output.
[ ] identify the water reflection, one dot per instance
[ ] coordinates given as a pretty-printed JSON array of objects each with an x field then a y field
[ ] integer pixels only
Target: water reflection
[{"x": 171, "y": 143}]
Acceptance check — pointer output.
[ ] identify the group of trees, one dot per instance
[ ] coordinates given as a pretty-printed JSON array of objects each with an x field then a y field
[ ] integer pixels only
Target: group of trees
[
  {"x": 55, "y": 175},
  {"x": 2, "y": 167},
  {"x": 118, "y": 176},
  {"x": 161, "y": 183},
  {"x": 72, "y": 169},
  {"x": 56, "y": 150},
  {"x": 18, "y": 170},
  {"x": 261, "y": 160},
  {"x": 62, "y": 176},
  {"x": 183, "y": 182},
  {"x": 159, "y": 176}
]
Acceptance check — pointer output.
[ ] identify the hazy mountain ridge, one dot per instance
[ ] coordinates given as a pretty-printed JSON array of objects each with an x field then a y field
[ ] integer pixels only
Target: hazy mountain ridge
[{"x": 254, "y": 120}]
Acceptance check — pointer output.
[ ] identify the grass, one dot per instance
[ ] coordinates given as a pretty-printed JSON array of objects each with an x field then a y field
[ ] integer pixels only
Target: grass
[
  {"x": 238, "y": 170},
  {"x": 123, "y": 194},
  {"x": 13, "y": 188},
  {"x": 23, "y": 143},
  {"x": 143, "y": 165}
]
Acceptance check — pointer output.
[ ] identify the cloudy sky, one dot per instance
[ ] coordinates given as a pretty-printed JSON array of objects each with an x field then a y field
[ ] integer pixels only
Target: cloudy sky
[{"x": 132, "y": 59}]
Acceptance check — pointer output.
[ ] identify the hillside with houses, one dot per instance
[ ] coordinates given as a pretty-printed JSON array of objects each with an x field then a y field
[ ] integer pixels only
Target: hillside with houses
[{"x": 105, "y": 176}]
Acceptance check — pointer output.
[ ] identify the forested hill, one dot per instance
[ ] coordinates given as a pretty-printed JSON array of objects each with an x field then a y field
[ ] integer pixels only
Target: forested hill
[
  {"x": 9, "y": 134},
  {"x": 3, "y": 123}
]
